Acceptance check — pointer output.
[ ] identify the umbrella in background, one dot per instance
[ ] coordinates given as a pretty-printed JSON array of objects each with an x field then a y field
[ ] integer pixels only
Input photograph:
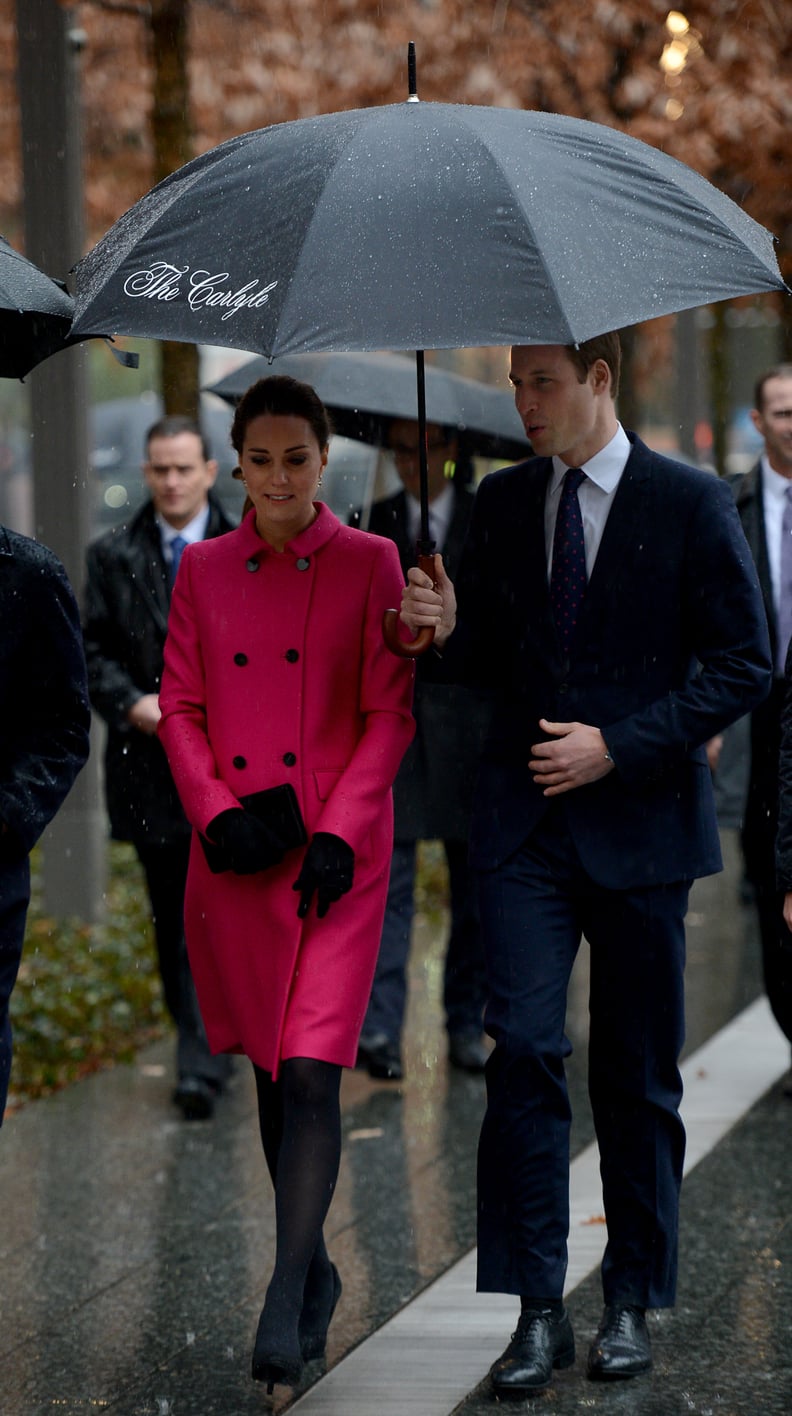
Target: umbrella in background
[
  {"x": 415, "y": 226},
  {"x": 363, "y": 392},
  {"x": 35, "y": 314}
]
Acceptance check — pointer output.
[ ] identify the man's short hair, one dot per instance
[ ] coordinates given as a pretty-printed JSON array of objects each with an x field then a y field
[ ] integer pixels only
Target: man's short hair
[
  {"x": 602, "y": 346},
  {"x": 172, "y": 426},
  {"x": 779, "y": 371}
]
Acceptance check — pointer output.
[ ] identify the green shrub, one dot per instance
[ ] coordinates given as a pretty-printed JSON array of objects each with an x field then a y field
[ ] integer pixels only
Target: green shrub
[
  {"x": 87, "y": 995},
  {"x": 90, "y": 995}
]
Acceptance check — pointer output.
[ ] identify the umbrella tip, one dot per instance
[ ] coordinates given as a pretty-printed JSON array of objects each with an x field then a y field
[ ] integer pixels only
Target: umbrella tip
[{"x": 412, "y": 82}]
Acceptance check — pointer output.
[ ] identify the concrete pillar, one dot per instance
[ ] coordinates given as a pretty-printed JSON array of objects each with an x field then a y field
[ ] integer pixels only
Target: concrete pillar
[{"x": 74, "y": 849}]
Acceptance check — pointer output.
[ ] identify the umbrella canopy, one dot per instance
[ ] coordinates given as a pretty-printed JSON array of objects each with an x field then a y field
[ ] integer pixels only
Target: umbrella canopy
[
  {"x": 363, "y": 392},
  {"x": 35, "y": 314},
  {"x": 415, "y": 226}
]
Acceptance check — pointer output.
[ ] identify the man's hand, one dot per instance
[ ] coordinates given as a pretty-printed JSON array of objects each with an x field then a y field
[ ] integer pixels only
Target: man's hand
[
  {"x": 574, "y": 760},
  {"x": 423, "y": 604},
  {"x": 145, "y": 714},
  {"x": 714, "y": 748},
  {"x": 788, "y": 909}
]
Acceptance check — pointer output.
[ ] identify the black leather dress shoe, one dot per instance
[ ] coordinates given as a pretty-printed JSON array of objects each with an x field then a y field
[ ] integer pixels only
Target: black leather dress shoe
[
  {"x": 196, "y": 1098},
  {"x": 380, "y": 1057},
  {"x": 621, "y": 1347},
  {"x": 542, "y": 1341},
  {"x": 467, "y": 1051}
]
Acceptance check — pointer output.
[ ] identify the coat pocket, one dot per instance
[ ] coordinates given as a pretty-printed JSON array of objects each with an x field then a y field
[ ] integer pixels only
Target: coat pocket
[{"x": 325, "y": 782}]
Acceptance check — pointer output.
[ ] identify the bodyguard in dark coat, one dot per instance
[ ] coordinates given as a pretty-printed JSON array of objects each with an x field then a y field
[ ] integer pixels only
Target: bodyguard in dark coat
[
  {"x": 130, "y": 571},
  {"x": 433, "y": 792},
  {"x": 608, "y": 595},
  {"x": 763, "y": 496},
  {"x": 760, "y": 495},
  {"x": 44, "y": 731}
]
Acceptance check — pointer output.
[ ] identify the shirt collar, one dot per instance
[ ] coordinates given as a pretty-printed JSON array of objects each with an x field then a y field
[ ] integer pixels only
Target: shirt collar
[
  {"x": 440, "y": 509},
  {"x": 195, "y": 530},
  {"x": 775, "y": 484},
  {"x": 604, "y": 469}
]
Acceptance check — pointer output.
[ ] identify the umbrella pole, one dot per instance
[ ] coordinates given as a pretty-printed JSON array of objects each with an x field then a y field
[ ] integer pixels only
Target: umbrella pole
[
  {"x": 411, "y": 649},
  {"x": 425, "y": 545}
]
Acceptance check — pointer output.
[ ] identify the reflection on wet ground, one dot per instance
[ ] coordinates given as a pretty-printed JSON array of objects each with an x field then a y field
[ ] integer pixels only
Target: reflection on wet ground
[{"x": 135, "y": 1248}]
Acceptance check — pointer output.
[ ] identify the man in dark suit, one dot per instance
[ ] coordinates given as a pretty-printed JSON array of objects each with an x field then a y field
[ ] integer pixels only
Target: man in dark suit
[
  {"x": 764, "y": 502},
  {"x": 608, "y": 595},
  {"x": 433, "y": 790},
  {"x": 45, "y": 720},
  {"x": 130, "y": 572}
]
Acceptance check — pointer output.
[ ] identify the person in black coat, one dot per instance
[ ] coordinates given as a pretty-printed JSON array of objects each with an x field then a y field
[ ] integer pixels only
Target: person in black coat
[
  {"x": 609, "y": 597},
  {"x": 761, "y": 496},
  {"x": 130, "y": 572},
  {"x": 783, "y": 854},
  {"x": 432, "y": 794},
  {"x": 45, "y": 722}
]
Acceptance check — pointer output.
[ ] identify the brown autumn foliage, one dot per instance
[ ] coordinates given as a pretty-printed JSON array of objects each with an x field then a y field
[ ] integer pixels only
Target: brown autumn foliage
[{"x": 254, "y": 62}]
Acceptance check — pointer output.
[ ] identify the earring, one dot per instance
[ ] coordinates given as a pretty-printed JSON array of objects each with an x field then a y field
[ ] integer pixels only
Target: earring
[{"x": 318, "y": 485}]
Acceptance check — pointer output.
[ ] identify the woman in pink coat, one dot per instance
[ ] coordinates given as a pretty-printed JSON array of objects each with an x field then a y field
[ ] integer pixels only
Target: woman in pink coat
[{"x": 276, "y": 672}]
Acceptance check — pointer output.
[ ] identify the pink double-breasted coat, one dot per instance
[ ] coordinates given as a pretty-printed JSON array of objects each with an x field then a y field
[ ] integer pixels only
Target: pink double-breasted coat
[{"x": 276, "y": 671}]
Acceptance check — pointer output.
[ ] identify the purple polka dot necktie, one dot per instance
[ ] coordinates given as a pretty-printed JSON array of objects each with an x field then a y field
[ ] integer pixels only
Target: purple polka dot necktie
[{"x": 568, "y": 570}]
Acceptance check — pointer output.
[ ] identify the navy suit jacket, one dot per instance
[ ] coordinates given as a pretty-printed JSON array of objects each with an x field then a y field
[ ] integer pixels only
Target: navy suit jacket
[{"x": 671, "y": 647}]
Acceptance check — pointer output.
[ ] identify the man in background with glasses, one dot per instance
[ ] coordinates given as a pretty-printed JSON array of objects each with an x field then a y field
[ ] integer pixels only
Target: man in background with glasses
[{"x": 432, "y": 793}]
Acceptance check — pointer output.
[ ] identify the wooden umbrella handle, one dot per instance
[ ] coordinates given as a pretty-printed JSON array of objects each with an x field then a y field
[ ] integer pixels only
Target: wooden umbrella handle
[{"x": 412, "y": 648}]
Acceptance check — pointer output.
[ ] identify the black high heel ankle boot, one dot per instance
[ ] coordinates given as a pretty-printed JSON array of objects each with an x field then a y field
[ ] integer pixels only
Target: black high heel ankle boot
[
  {"x": 316, "y": 1318},
  {"x": 276, "y": 1353}
]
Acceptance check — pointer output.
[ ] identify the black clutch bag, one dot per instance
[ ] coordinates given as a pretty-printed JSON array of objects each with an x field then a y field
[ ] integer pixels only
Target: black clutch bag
[{"x": 279, "y": 809}]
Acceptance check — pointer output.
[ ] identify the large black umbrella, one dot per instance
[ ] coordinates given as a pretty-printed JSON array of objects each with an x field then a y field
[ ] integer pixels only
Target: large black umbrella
[
  {"x": 35, "y": 314},
  {"x": 363, "y": 392},
  {"x": 419, "y": 225},
  {"x": 416, "y": 226}
]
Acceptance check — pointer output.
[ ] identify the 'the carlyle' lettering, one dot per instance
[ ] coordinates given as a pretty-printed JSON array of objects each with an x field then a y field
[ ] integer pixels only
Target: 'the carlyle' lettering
[{"x": 162, "y": 281}]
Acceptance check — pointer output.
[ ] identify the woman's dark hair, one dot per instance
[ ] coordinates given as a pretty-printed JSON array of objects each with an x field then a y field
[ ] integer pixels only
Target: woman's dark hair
[{"x": 282, "y": 396}]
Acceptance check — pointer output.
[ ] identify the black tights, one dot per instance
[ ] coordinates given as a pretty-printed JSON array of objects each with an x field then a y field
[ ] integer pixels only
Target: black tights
[{"x": 300, "y": 1123}]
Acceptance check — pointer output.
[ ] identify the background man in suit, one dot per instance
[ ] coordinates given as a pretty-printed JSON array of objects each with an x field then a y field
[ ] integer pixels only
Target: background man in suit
[
  {"x": 764, "y": 502},
  {"x": 130, "y": 573},
  {"x": 432, "y": 793},
  {"x": 608, "y": 595},
  {"x": 44, "y": 725}
]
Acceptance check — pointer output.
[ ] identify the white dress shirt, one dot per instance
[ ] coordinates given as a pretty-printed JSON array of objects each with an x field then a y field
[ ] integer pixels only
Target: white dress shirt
[
  {"x": 195, "y": 530},
  {"x": 440, "y": 512},
  {"x": 595, "y": 495},
  {"x": 774, "y": 490}
]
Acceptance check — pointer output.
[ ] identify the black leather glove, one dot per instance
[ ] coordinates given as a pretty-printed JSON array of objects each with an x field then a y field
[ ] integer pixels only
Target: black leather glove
[
  {"x": 248, "y": 843},
  {"x": 327, "y": 871}
]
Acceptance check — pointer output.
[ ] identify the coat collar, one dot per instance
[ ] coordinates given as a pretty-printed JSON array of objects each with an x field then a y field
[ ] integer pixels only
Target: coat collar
[{"x": 315, "y": 536}]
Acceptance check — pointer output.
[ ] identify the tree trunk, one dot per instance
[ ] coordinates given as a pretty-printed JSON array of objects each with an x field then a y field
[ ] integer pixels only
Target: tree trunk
[
  {"x": 720, "y": 377},
  {"x": 172, "y": 136},
  {"x": 628, "y": 402}
]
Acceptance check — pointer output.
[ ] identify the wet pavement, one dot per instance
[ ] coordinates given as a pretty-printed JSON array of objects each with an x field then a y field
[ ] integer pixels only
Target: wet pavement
[{"x": 135, "y": 1248}]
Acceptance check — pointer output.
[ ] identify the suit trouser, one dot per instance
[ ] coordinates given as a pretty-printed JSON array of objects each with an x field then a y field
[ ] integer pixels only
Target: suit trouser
[
  {"x": 165, "y": 868},
  {"x": 464, "y": 980},
  {"x": 758, "y": 841},
  {"x": 534, "y": 909},
  {"x": 14, "y": 900}
]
